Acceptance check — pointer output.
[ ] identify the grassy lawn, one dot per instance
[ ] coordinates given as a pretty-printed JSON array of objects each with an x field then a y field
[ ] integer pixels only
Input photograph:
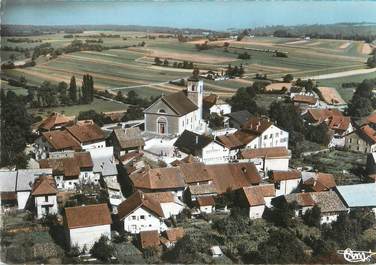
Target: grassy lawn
[
  {"x": 99, "y": 105},
  {"x": 344, "y": 165}
]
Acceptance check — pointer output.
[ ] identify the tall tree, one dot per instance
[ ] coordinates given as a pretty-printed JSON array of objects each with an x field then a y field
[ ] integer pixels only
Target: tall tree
[{"x": 73, "y": 90}]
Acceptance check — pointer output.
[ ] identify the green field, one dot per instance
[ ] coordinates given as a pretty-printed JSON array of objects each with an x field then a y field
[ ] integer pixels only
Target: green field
[
  {"x": 99, "y": 105},
  {"x": 133, "y": 68}
]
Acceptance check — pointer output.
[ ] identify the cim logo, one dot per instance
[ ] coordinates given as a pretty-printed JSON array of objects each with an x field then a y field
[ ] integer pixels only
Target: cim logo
[{"x": 355, "y": 256}]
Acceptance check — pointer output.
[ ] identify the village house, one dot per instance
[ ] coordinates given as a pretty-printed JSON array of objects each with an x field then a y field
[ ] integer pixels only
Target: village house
[
  {"x": 362, "y": 140},
  {"x": 104, "y": 164},
  {"x": 159, "y": 180},
  {"x": 126, "y": 140},
  {"x": 266, "y": 159},
  {"x": 205, "y": 204},
  {"x": 212, "y": 104},
  {"x": 171, "y": 236},
  {"x": 84, "y": 225},
  {"x": 139, "y": 212},
  {"x": 8, "y": 194},
  {"x": 170, "y": 204},
  {"x": 330, "y": 204},
  {"x": 256, "y": 133},
  {"x": 149, "y": 239},
  {"x": 238, "y": 118},
  {"x": 358, "y": 196},
  {"x": 44, "y": 194},
  {"x": 55, "y": 121},
  {"x": 338, "y": 124},
  {"x": 172, "y": 114},
  {"x": 24, "y": 184},
  {"x": 256, "y": 198},
  {"x": 71, "y": 171},
  {"x": 304, "y": 102},
  {"x": 285, "y": 182},
  {"x": 203, "y": 190},
  {"x": 331, "y": 97},
  {"x": 89, "y": 135},
  {"x": 204, "y": 147},
  {"x": 55, "y": 141},
  {"x": 317, "y": 181}
]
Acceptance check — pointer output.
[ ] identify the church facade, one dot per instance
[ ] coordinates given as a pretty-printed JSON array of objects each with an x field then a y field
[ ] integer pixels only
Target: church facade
[{"x": 172, "y": 114}]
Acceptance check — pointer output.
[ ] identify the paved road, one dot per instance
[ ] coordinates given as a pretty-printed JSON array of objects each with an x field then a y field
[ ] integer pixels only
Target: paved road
[{"x": 342, "y": 74}]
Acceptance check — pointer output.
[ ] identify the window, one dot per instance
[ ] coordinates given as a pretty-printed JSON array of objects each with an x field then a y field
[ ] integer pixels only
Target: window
[
  {"x": 270, "y": 136},
  {"x": 46, "y": 198},
  {"x": 142, "y": 217},
  {"x": 265, "y": 137},
  {"x": 133, "y": 217},
  {"x": 161, "y": 111},
  {"x": 149, "y": 215}
]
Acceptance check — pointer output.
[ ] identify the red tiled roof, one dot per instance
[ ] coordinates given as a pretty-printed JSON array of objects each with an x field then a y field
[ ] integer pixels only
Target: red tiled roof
[
  {"x": 44, "y": 185},
  {"x": 269, "y": 152},
  {"x": 205, "y": 201},
  {"x": 174, "y": 234},
  {"x": 257, "y": 125},
  {"x": 158, "y": 178},
  {"x": 86, "y": 216},
  {"x": 86, "y": 132},
  {"x": 278, "y": 175},
  {"x": 194, "y": 172},
  {"x": 149, "y": 239},
  {"x": 321, "y": 182},
  {"x": 232, "y": 176},
  {"x": 136, "y": 200},
  {"x": 305, "y": 99},
  {"x": 253, "y": 195},
  {"x": 372, "y": 118},
  {"x": 55, "y": 119},
  {"x": 60, "y": 140},
  {"x": 369, "y": 132}
]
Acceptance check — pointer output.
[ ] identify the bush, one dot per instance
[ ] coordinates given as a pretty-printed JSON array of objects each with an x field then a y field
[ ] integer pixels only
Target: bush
[{"x": 102, "y": 249}]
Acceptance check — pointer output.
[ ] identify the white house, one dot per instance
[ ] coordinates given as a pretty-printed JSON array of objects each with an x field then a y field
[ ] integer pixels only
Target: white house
[
  {"x": 256, "y": 133},
  {"x": 104, "y": 164},
  {"x": 212, "y": 104},
  {"x": 170, "y": 204},
  {"x": 285, "y": 182},
  {"x": 172, "y": 114},
  {"x": 329, "y": 202},
  {"x": 140, "y": 212},
  {"x": 203, "y": 147},
  {"x": 266, "y": 159},
  {"x": 159, "y": 180},
  {"x": 256, "y": 198},
  {"x": 206, "y": 204},
  {"x": 25, "y": 180},
  {"x": 44, "y": 194},
  {"x": 84, "y": 225},
  {"x": 89, "y": 135}
]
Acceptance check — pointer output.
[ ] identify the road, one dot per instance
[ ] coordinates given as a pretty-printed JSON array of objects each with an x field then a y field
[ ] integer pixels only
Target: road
[{"x": 342, "y": 74}]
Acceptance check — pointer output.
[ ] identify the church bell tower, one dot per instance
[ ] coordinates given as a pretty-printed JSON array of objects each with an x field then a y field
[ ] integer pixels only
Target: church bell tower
[{"x": 195, "y": 92}]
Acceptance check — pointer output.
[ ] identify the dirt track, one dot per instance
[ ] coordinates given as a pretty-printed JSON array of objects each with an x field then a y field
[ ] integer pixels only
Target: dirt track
[{"x": 342, "y": 74}]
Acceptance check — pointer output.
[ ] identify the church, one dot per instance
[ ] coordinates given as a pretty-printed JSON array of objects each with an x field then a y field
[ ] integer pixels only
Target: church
[{"x": 172, "y": 114}]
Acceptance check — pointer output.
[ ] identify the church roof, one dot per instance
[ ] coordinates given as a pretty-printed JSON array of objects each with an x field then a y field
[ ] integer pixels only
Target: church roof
[{"x": 179, "y": 103}]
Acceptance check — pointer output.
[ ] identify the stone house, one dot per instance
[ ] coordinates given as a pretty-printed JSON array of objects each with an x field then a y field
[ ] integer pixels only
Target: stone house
[
  {"x": 362, "y": 140},
  {"x": 126, "y": 140},
  {"x": 44, "y": 195}
]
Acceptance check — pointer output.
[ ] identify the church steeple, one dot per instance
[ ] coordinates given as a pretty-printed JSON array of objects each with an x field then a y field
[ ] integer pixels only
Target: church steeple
[{"x": 195, "y": 90}]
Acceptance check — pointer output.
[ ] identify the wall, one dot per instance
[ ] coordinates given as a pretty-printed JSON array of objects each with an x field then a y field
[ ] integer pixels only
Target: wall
[
  {"x": 87, "y": 146},
  {"x": 134, "y": 223},
  {"x": 41, "y": 203},
  {"x": 287, "y": 186},
  {"x": 171, "y": 208},
  {"x": 354, "y": 143},
  {"x": 206, "y": 209},
  {"x": 22, "y": 198},
  {"x": 88, "y": 235},
  {"x": 215, "y": 153},
  {"x": 256, "y": 211},
  {"x": 221, "y": 109}
]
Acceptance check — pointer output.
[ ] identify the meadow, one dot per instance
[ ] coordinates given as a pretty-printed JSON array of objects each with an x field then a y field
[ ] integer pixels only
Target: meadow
[{"x": 133, "y": 68}]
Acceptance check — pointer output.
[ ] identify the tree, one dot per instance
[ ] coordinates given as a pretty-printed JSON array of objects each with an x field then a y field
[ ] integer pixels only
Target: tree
[
  {"x": 371, "y": 62},
  {"x": 215, "y": 121},
  {"x": 133, "y": 113},
  {"x": 242, "y": 100},
  {"x": 285, "y": 116},
  {"x": 62, "y": 89},
  {"x": 165, "y": 62},
  {"x": 73, "y": 90},
  {"x": 87, "y": 89},
  {"x": 15, "y": 129},
  {"x": 318, "y": 133},
  {"x": 92, "y": 115},
  {"x": 277, "y": 250},
  {"x": 312, "y": 216},
  {"x": 157, "y": 61},
  {"x": 288, "y": 78},
  {"x": 102, "y": 249},
  {"x": 361, "y": 103}
]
